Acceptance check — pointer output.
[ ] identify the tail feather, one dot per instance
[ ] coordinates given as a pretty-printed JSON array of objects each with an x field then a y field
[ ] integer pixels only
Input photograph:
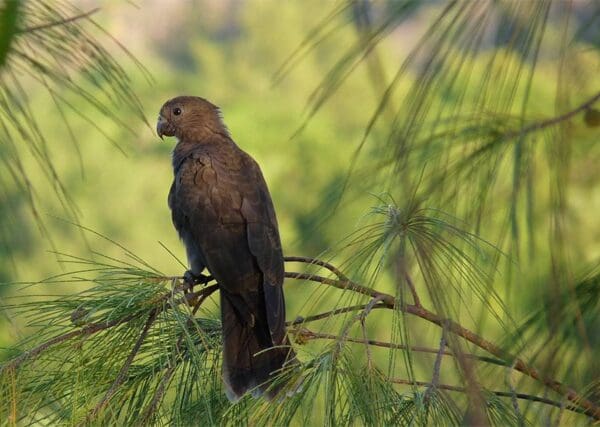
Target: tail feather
[{"x": 250, "y": 362}]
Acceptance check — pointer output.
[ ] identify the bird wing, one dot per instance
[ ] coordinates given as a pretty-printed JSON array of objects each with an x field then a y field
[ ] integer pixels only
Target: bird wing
[
  {"x": 222, "y": 202},
  {"x": 265, "y": 245}
]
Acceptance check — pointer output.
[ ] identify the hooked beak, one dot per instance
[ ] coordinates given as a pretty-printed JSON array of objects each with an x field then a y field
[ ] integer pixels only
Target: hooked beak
[{"x": 161, "y": 127}]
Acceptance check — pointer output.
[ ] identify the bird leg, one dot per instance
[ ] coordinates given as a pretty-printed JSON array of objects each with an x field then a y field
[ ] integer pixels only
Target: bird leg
[{"x": 190, "y": 279}]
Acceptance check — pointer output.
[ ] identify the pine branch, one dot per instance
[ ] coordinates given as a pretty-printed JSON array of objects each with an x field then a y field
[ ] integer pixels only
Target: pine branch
[
  {"x": 302, "y": 320},
  {"x": 344, "y": 285},
  {"x": 533, "y": 127},
  {"x": 379, "y": 300},
  {"x": 93, "y": 328},
  {"x": 86, "y": 330},
  {"x": 589, "y": 407},
  {"x": 305, "y": 334},
  {"x": 320, "y": 263},
  {"x": 124, "y": 369},
  {"x": 162, "y": 387},
  {"x": 522, "y": 396}
]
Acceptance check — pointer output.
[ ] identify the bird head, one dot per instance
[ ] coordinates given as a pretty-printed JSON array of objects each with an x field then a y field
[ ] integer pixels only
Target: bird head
[{"x": 190, "y": 118}]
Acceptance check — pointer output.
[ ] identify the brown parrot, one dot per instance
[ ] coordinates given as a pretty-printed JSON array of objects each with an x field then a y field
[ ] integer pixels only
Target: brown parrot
[{"x": 224, "y": 215}]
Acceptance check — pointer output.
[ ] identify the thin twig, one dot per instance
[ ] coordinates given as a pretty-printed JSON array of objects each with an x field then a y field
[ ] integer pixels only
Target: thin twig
[
  {"x": 371, "y": 305},
  {"x": 307, "y": 334},
  {"x": 554, "y": 120},
  {"x": 437, "y": 365},
  {"x": 438, "y": 360},
  {"x": 403, "y": 272},
  {"x": 362, "y": 318},
  {"x": 12, "y": 418},
  {"x": 363, "y": 328},
  {"x": 513, "y": 397},
  {"x": 158, "y": 395},
  {"x": 301, "y": 320},
  {"x": 342, "y": 284},
  {"x": 521, "y": 396},
  {"x": 413, "y": 289},
  {"x": 320, "y": 263}
]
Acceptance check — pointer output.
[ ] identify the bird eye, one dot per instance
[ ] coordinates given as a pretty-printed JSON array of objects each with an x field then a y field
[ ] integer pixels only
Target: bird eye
[{"x": 177, "y": 111}]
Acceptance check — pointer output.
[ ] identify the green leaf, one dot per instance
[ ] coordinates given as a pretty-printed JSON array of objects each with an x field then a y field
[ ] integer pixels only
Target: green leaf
[{"x": 9, "y": 15}]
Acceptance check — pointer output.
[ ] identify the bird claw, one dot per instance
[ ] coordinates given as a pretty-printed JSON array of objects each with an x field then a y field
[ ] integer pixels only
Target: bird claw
[{"x": 190, "y": 279}]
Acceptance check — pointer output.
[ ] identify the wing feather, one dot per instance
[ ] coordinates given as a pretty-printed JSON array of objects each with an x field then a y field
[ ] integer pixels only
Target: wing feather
[
  {"x": 265, "y": 244},
  {"x": 221, "y": 200}
]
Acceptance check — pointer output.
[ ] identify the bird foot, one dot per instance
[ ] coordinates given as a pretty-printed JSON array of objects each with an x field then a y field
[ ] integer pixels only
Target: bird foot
[{"x": 190, "y": 279}]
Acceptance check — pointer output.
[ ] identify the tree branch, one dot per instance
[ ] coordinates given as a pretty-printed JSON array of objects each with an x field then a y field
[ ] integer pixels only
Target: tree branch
[
  {"x": 93, "y": 328},
  {"x": 124, "y": 369},
  {"x": 378, "y": 300},
  {"x": 362, "y": 318},
  {"x": 522, "y": 396},
  {"x": 413, "y": 289},
  {"x": 554, "y": 120},
  {"x": 588, "y": 406},
  {"x": 162, "y": 387},
  {"x": 343, "y": 284},
  {"x": 159, "y": 393},
  {"x": 90, "y": 329},
  {"x": 301, "y": 320},
  {"x": 438, "y": 360},
  {"x": 306, "y": 334},
  {"x": 320, "y": 263}
]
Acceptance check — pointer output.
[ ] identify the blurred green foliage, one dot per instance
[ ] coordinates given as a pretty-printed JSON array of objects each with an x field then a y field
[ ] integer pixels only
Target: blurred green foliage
[
  {"x": 8, "y": 25},
  {"x": 231, "y": 53}
]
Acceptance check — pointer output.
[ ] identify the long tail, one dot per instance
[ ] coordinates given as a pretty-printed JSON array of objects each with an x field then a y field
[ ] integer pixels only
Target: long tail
[{"x": 250, "y": 363}]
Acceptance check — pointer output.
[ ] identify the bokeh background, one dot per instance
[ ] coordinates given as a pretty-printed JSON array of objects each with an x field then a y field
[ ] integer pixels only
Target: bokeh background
[{"x": 252, "y": 58}]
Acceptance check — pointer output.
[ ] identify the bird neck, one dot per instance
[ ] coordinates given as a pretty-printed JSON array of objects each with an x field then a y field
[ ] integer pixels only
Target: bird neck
[{"x": 185, "y": 147}]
